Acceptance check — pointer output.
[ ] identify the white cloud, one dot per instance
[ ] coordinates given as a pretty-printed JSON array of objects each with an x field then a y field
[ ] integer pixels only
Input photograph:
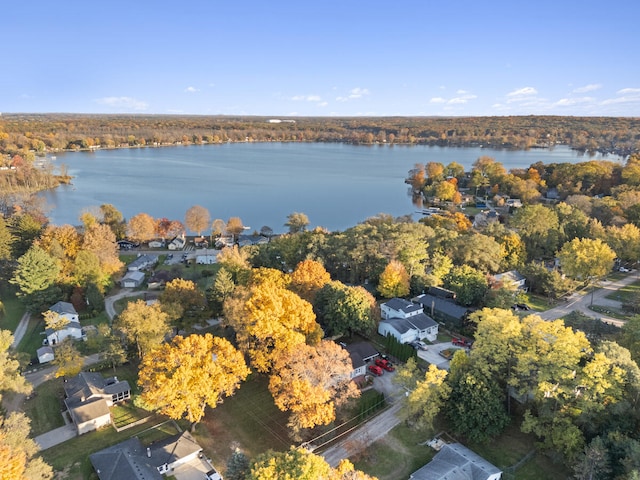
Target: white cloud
[
  {"x": 123, "y": 102},
  {"x": 354, "y": 94},
  {"x": 461, "y": 92},
  {"x": 567, "y": 102},
  {"x": 191, "y": 90},
  {"x": 587, "y": 88},
  {"x": 437, "y": 100},
  {"x": 628, "y": 95},
  {"x": 323, "y": 104},
  {"x": 462, "y": 99},
  {"x": 522, "y": 92},
  {"x": 306, "y": 98},
  {"x": 626, "y": 91}
]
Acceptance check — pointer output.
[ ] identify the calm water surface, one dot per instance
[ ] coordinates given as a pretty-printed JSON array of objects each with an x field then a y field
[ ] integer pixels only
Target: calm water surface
[{"x": 336, "y": 185}]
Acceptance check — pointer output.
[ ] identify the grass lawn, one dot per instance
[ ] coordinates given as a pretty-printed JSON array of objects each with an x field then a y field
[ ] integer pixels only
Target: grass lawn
[
  {"x": 396, "y": 456},
  {"x": 249, "y": 420},
  {"x": 45, "y": 407},
  {"x": 33, "y": 336},
  {"x": 625, "y": 294},
  {"x": 13, "y": 311}
]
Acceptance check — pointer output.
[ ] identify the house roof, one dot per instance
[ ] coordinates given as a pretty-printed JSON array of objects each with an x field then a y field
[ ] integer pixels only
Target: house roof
[
  {"x": 402, "y": 305},
  {"x": 130, "y": 460},
  {"x": 89, "y": 410},
  {"x": 364, "y": 350},
  {"x": 456, "y": 462},
  {"x": 511, "y": 275},
  {"x": 125, "y": 461},
  {"x": 143, "y": 260},
  {"x": 442, "y": 305},
  {"x": 136, "y": 276},
  {"x": 399, "y": 324},
  {"x": 88, "y": 384},
  {"x": 63, "y": 307},
  {"x": 422, "y": 321},
  {"x": 44, "y": 350}
]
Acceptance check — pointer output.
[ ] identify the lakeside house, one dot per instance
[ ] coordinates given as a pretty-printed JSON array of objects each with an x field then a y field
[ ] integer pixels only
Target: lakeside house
[{"x": 406, "y": 321}]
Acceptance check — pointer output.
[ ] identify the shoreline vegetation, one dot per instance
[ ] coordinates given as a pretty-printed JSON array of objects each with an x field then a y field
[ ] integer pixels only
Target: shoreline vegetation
[{"x": 26, "y": 138}]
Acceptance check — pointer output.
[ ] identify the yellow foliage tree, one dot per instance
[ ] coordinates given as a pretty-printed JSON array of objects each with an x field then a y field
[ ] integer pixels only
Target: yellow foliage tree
[
  {"x": 142, "y": 324},
  {"x": 269, "y": 322},
  {"x": 394, "y": 281},
  {"x": 182, "y": 378},
  {"x": 141, "y": 228},
  {"x": 308, "y": 278},
  {"x": 310, "y": 382}
]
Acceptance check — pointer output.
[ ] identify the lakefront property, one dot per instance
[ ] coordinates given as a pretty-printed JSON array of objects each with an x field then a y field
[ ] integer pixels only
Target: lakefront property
[{"x": 275, "y": 346}]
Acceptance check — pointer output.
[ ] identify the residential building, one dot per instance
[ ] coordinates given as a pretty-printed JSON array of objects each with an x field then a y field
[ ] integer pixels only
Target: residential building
[
  {"x": 406, "y": 321},
  {"x": 455, "y": 461}
]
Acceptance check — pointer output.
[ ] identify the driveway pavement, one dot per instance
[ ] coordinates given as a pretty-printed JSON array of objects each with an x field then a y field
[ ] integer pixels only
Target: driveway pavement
[
  {"x": 432, "y": 354},
  {"x": 56, "y": 436}
]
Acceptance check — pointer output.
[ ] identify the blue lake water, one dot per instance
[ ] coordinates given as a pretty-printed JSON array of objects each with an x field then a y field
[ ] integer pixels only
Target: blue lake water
[{"x": 335, "y": 185}]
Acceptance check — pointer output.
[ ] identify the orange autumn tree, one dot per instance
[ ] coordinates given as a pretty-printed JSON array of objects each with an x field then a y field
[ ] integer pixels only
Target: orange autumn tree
[
  {"x": 311, "y": 382},
  {"x": 308, "y": 278}
]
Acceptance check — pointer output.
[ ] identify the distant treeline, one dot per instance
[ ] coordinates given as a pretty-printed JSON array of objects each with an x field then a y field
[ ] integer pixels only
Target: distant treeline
[{"x": 39, "y": 133}]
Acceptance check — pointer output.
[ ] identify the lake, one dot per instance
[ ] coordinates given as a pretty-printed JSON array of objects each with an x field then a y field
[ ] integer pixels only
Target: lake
[{"x": 335, "y": 185}]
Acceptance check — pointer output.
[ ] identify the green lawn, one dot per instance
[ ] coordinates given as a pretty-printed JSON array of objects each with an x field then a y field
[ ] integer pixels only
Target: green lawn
[
  {"x": 45, "y": 407},
  {"x": 13, "y": 311},
  {"x": 249, "y": 420},
  {"x": 33, "y": 336},
  {"x": 625, "y": 294}
]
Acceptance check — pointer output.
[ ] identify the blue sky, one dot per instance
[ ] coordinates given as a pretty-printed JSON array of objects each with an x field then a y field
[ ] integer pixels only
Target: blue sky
[{"x": 327, "y": 58}]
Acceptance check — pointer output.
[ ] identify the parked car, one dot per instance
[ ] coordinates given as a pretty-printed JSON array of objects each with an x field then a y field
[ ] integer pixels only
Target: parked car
[
  {"x": 385, "y": 364},
  {"x": 212, "y": 475},
  {"x": 418, "y": 345},
  {"x": 461, "y": 342},
  {"x": 624, "y": 270},
  {"x": 376, "y": 370}
]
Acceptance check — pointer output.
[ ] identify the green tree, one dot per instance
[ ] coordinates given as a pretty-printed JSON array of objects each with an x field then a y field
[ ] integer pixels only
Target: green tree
[
  {"x": 476, "y": 407},
  {"x": 10, "y": 377},
  {"x": 469, "y": 284},
  {"x": 237, "y": 466},
  {"x": 539, "y": 228},
  {"x": 221, "y": 289},
  {"x": 394, "y": 281},
  {"x": 68, "y": 359},
  {"x": 185, "y": 299},
  {"x": 36, "y": 272},
  {"x": 112, "y": 217},
  {"x": 144, "y": 325},
  {"x": 346, "y": 310},
  {"x": 426, "y": 399},
  {"x": 478, "y": 251}
]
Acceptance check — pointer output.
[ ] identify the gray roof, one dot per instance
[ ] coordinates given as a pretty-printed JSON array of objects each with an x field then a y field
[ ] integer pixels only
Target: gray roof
[
  {"x": 402, "y": 305},
  {"x": 441, "y": 305},
  {"x": 361, "y": 352},
  {"x": 128, "y": 460},
  {"x": 63, "y": 307},
  {"x": 137, "y": 276},
  {"x": 70, "y": 325},
  {"x": 88, "y": 384},
  {"x": 142, "y": 261},
  {"x": 401, "y": 325},
  {"x": 511, "y": 275},
  {"x": 87, "y": 411},
  {"x": 422, "y": 321},
  {"x": 125, "y": 461},
  {"x": 43, "y": 351},
  {"x": 456, "y": 462}
]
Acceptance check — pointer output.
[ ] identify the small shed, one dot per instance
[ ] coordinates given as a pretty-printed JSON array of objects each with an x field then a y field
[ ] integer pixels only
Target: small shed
[{"x": 45, "y": 354}]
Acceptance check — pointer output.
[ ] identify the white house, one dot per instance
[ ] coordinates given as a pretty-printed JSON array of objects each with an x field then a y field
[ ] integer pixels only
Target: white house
[
  {"x": 512, "y": 277},
  {"x": 361, "y": 353},
  {"x": 132, "y": 279},
  {"x": 399, "y": 308},
  {"x": 66, "y": 310},
  {"x": 177, "y": 243},
  {"x": 206, "y": 256},
  {"x": 406, "y": 321},
  {"x": 88, "y": 397},
  {"x": 45, "y": 354},
  {"x": 156, "y": 244},
  {"x": 455, "y": 461},
  {"x": 143, "y": 262}
]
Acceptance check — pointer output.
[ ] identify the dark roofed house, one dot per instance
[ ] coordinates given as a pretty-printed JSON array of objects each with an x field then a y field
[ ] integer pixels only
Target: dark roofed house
[
  {"x": 131, "y": 460},
  {"x": 443, "y": 309},
  {"x": 361, "y": 353},
  {"x": 88, "y": 397},
  {"x": 456, "y": 462},
  {"x": 399, "y": 308}
]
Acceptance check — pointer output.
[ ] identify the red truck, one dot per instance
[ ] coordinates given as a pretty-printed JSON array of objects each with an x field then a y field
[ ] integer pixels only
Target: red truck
[
  {"x": 376, "y": 370},
  {"x": 385, "y": 364}
]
